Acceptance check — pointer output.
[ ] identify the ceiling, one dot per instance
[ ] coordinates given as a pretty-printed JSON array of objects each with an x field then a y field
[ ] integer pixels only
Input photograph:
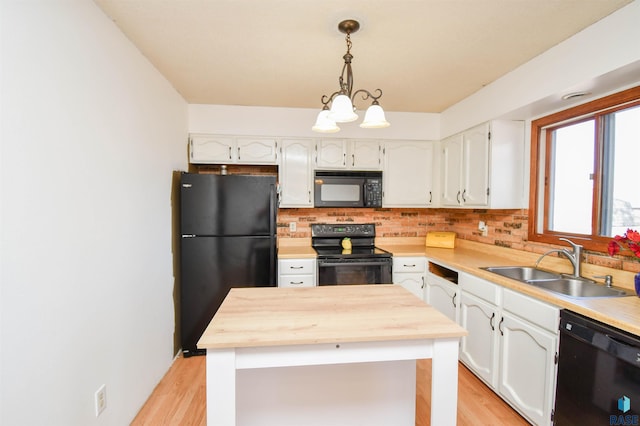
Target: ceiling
[{"x": 425, "y": 55}]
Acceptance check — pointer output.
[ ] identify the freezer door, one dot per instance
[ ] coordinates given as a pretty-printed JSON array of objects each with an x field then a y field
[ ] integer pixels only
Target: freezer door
[
  {"x": 227, "y": 205},
  {"x": 210, "y": 266}
]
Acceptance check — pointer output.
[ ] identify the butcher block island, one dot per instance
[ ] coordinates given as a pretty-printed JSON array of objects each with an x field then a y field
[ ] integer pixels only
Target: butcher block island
[{"x": 329, "y": 355}]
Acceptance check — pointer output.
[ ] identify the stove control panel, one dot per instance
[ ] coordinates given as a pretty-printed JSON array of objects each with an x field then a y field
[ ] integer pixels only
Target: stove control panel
[{"x": 339, "y": 230}]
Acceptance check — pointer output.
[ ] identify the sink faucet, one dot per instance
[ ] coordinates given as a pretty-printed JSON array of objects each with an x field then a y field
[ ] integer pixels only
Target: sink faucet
[{"x": 574, "y": 256}]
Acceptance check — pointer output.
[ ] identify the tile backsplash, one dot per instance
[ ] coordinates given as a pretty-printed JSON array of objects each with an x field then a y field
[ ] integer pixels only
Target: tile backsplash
[{"x": 507, "y": 228}]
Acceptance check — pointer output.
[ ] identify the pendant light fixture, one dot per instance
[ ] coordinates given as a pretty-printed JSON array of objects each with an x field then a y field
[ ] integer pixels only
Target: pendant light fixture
[{"x": 338, "y": 107}]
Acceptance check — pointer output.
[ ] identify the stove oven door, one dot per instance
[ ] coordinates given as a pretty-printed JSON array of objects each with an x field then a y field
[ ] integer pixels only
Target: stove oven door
[{"x": 341, "y": 271}]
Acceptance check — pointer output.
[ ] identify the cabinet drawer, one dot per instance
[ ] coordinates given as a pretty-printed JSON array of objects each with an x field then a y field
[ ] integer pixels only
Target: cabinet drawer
[
  {"x": 296, "y": 281},
  {"x": 296, "y": 266},
  {"x": 480, "y": 288},
  {"x": 537, "y": 312},
  {"x": 408, "y": 264}
]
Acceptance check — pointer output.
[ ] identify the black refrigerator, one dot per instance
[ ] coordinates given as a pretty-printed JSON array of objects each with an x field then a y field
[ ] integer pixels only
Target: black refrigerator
[{"x": 228, "y": 239}]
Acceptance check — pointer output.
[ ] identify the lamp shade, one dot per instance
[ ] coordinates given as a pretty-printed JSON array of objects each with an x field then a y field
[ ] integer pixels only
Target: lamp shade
[
  {"x": 324, "y": 124},
  {"x": 374, "y": 118},
  {"x": 342, "y": 110}
]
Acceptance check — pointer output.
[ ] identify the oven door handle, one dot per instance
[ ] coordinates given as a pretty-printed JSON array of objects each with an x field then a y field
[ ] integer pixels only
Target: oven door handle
[{"x": 338, "y": 263}]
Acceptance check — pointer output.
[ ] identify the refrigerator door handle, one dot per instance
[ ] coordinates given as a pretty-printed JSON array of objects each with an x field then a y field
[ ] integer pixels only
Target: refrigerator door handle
[{"x": 272, "y": 233}]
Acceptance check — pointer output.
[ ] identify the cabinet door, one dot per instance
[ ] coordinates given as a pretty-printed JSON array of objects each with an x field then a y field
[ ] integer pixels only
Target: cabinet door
[
  {"x": 296, "y": 173},
  {"x": 256, "y": 151},
  {"x": 479, "y": 349},
  {"x": 475, "y": 167},
  {"x": 208, "y": 149},
  {"x": 332, "y": 154},
  {"x": 452, "y": 171},
  {"x": 527, "y": 368},
  {"x": 408, "y": 168},
  {"x": 443, "y": 296},
  {"x": 365, "y": 155},
  {"x": 412, "y": 282}
]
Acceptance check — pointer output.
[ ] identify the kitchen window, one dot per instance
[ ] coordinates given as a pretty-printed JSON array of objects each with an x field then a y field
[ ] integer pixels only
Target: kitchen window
[{"x": 585, "y": 171}]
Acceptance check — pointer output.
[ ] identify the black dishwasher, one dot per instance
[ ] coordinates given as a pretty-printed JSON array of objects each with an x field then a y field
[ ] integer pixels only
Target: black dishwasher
[{"x": 598, "y": 374}]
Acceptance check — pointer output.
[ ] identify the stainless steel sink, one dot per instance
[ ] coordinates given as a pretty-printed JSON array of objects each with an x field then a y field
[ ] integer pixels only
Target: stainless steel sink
[
  {"x": 557, "y": 283},
  {"x": 523, "y": 273},
  {"x": 577, "y": 288}
]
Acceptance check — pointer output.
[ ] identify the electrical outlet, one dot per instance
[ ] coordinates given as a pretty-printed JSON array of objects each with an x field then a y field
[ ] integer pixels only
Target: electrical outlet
[
  {"x": 292, "y": 226},
  {"x": 482, "y": 227},
  {"x": 101, "y": 399}
]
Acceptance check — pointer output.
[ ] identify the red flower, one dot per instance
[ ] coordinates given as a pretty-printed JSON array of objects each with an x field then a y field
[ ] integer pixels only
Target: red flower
[
  {"x": 630, "y": 238},
  {"x": 613, "y": 248},
  {"x": 633, "y": 235}
]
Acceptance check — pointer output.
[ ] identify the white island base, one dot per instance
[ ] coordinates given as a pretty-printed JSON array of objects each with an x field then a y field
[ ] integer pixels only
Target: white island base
[
  {"x": 327, "y": 356},
  {"x": 330, "y": 384}
]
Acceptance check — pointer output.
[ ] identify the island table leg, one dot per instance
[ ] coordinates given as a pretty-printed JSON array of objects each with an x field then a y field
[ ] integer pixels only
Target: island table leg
[
  {"x": 221, "y": 387},
  {"x": 444, "y": 382}
]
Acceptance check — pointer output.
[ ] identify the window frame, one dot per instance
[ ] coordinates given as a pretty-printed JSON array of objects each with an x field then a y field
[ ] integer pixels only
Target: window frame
[{"x": 540, "y": 143}]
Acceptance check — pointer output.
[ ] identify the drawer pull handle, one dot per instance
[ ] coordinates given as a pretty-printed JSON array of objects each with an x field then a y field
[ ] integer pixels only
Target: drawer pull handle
[
  {"x": 296, "y": 283},
  {"x": 409, "y": 266},
  {"x": 296, "y": 267}
]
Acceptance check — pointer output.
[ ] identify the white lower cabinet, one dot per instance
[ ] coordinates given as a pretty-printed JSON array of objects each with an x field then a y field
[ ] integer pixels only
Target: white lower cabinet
[
  {"x": 511, "y": 345},
  {"x": 442, "y": 290},
  {"x": 409, "y": 273},
  {"x": 479, "y": 349},
  {"x": 296, "y": 272},
  {"x": 529, "y": 335}
]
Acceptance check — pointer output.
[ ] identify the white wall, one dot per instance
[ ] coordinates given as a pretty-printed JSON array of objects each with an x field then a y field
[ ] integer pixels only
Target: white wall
[
  {"x": 297, "y": 122},
  {"x": 90, "y": 135}
]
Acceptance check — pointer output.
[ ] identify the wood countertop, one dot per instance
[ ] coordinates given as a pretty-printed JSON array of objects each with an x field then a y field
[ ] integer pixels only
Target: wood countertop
[
  {"x": 296, "y": 252},
  {"x": 295, "y": 248},
  {"x": 620, "y": 312},
  {"x": 271, "y": 316}
]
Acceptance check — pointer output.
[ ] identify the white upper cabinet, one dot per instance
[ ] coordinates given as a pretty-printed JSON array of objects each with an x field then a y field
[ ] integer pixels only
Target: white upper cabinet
[
  {"x": 365, "y": 155},
  {"x": 206, "y": 149},
  {"x": 216, "y": 149},
  {"x": 296, "y": 173},
  {"x": 348, "y": 154},
  {"x": 408, "y": 174},
  {"x": 484, "y": 166},
  {"x": 451, "y": 171},
  {"x": 256, "y": 150},
  {"x": 331, "y": 154}
]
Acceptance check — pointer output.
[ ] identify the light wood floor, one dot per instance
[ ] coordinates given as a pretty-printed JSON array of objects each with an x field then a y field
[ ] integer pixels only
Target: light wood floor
[{"x": 179, "y": 399}]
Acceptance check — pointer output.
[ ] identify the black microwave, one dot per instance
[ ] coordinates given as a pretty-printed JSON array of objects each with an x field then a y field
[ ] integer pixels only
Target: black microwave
[{"x": 347, "y": 189}]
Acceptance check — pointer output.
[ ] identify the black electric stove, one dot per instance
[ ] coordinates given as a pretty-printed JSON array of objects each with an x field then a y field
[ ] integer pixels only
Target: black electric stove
[{"x": 364, "y": 263}]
